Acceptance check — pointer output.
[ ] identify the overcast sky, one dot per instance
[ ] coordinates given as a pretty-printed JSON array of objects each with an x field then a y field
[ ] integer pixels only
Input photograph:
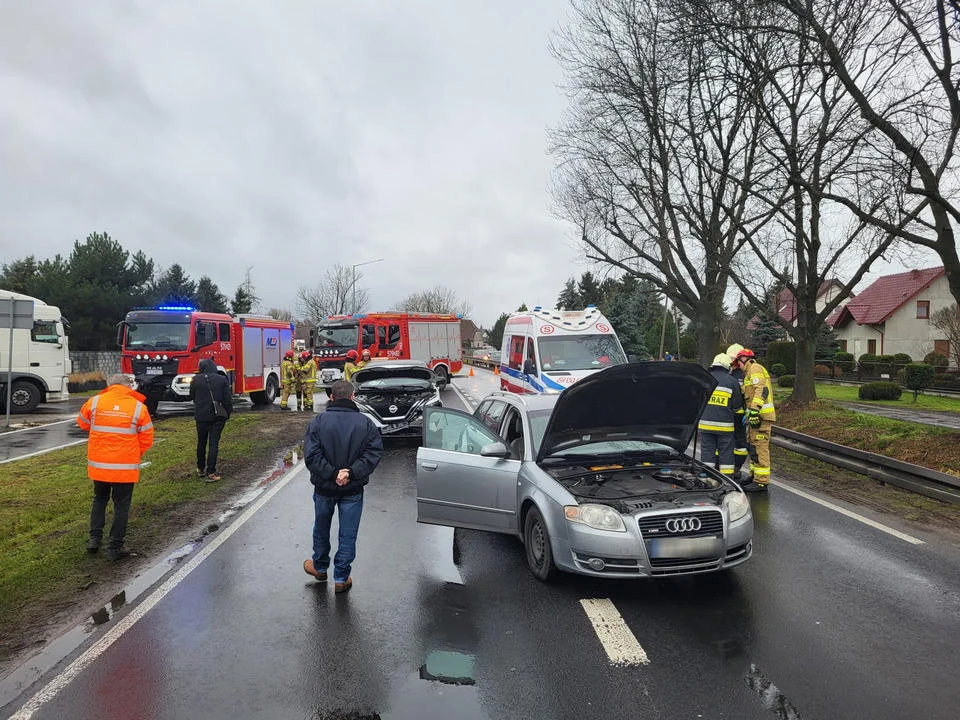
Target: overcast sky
[{"x": 289, "y": 135}]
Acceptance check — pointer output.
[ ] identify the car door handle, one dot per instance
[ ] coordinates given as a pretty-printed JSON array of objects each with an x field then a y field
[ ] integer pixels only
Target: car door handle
[{"x": 428, "y": 466}]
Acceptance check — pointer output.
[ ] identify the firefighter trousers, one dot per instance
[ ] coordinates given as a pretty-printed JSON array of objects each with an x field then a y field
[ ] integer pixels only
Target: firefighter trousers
[
  {"x": 760, "y": 439},
  {"x": 716, "y": 450},
  {"x": 309, "y": 387},
  {"x": 740, "y": 446},
  {"x": 286, "y": 390}
]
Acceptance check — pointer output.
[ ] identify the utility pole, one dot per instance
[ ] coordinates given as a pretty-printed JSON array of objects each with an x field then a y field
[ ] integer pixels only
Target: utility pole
[{"x": 354, "y": 284}]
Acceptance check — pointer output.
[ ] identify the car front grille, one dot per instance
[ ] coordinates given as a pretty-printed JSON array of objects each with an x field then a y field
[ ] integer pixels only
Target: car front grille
[
  {"x": 654, "y": 526},
  {"x": 682, "y": 567}
]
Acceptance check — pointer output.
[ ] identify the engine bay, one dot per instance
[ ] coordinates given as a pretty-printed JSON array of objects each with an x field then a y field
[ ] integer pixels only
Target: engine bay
[{"x": 629, "y": 487}]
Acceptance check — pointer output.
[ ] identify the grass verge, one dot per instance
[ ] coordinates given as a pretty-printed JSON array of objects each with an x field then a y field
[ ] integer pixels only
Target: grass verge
[
  {"x": 848, "y": 393},
  {"x": 45, "y": 512}
]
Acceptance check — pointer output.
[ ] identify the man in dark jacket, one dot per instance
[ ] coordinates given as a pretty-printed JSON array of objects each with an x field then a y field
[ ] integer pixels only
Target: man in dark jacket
[
  {"x": 341, "y": 449},
  {"x": 718, "y": 422},
  {"x": 212, "y": 405}
]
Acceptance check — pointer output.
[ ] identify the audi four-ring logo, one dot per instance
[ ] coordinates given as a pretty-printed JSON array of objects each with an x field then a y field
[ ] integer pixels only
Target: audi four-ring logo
[{"x": 684, "y": 524}]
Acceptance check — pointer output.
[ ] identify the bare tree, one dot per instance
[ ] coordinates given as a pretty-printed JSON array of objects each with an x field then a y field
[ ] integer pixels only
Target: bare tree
[
  {"x": 947, "y": 321},
  {"x": 814, "y": 145},
  {"x": 438, "y": 299},
  {"x": 281, "y": 314},
  {"x": 657, "y": 154},
  {"x": 914, "y": 114},
  {"x": 335, "y": 294}
]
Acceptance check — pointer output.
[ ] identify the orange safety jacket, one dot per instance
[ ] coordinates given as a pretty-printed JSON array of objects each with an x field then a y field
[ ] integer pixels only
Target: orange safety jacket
[{"x": 120, "y": 432}]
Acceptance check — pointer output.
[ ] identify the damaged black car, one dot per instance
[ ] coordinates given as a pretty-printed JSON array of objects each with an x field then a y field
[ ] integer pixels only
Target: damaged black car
[{"x": 394, "y": 394}]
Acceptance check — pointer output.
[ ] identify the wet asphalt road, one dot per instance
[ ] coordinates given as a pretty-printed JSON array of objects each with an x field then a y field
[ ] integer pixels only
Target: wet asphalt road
[{"x": 831, "y": 619}]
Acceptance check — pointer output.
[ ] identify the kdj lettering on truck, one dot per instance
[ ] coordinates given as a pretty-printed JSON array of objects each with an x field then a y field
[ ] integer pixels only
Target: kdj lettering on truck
[
  {"x": 41, "y": 358},
  {"x": 432, "y": 338},
  {"x": 162, "y": 348},
  {"x": 547, "y": 351}
]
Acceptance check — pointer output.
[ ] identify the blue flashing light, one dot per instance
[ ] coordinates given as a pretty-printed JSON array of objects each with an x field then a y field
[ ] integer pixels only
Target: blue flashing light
[
  {"x": 538, "y": 308},
  {"x": 359, "y": 316},
  {"x": 177, "y": 308},
  {"x": 591, "y": 306},
  {"x": 460, "y": 316}
]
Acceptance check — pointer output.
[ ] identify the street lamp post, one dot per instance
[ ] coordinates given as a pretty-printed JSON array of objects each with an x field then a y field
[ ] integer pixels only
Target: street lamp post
[{"x": 354, "y": 284}]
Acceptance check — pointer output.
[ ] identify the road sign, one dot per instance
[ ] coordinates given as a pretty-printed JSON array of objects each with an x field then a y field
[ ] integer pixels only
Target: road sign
[{"x": 15, "y": 315}]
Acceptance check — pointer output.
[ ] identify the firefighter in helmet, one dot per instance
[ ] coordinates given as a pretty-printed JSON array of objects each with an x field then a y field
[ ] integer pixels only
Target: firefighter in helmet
[
  {"x": 364, "y": 358},
  {"x": 718, "y": 422},
  {"x": 741, "y": 448},
  {"x": 760, "y": 414},
  {"x": 350, "y": 366},
  {"x": 288, "y": 377},
  {"x": 307, "y": 375}
]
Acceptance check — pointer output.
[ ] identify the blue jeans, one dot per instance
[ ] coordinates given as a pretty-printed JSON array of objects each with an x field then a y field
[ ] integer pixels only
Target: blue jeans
[{"x": 351, "y": 507}]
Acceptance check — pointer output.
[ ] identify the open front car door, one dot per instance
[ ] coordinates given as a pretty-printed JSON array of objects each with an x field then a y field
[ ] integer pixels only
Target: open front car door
[{"x": 465, "y": 477}]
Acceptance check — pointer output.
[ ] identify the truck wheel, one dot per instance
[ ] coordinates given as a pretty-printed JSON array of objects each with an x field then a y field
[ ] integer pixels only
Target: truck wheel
[
  {"x": 442, "y": 375},
  {"x": 24, "y": 397},
  {"x": 153, "y": 404},
  {"x": 271, "y": 391}
]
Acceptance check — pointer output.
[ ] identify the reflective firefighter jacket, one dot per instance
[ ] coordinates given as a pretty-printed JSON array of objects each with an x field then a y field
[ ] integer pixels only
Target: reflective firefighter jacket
[
  {"x": 349, "y": 369},
  {"x": 288, "y": 372},
  {"x": 307, "y": 371},
  {"x": 120, "y": 432},
  {"x": 721, "y": 412},
  {"x": 757, "y": 391}
]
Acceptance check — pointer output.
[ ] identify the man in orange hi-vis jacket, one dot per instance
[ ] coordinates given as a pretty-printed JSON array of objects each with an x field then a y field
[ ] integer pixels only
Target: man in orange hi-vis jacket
[{"x": 120, "y": 432}]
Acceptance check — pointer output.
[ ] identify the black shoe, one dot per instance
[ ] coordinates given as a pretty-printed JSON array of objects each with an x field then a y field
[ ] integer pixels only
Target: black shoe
[
  {"x": 755, "y": 487},
  {"x": 120, "y": 553},
  {"x": 93, "y": 545}
]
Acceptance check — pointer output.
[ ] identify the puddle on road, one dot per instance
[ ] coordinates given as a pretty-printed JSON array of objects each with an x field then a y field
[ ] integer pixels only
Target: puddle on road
[
  {"x": 33, "y": 668},
  {"x": 771, "y": 697},
  {"x": 450, "y": 668}
]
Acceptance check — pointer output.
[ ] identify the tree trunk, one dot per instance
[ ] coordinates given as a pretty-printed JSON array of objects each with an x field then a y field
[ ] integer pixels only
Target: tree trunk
[
  {"x": 804, "y": 389},
  {"x": 707, "y": 327}
]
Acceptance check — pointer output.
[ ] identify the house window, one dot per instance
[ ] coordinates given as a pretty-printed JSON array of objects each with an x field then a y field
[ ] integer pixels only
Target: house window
[
  {"x": 872, "y": 347},
  {"x": 842, "y": 344},
  {"x": 942, "y": 347},
  {"x": 923, "y": 309}
]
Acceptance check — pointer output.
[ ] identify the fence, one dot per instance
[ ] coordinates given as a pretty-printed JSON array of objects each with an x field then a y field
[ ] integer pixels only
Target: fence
[
  {"x": 105, "y": 362},
  {"x": 857, "y": 371}
]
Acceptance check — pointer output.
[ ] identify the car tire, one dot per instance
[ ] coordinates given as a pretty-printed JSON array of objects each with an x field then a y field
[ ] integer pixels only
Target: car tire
[
  {"x": 24, "y": 397},
  {"x": 536, "y": 541}
]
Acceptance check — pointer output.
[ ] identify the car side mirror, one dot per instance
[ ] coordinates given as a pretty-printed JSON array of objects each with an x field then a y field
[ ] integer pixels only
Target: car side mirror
[
  {"x": 495, "y": 449},
  {"x": 530, "y": 367}
]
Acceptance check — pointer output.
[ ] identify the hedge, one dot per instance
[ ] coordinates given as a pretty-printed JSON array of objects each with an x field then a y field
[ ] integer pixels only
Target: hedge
[
  {"x": 778, "y": 369},
  {"x": 845, "y": 361},
  {"x": 786, "y": 380},
  {"x": 936, "y": 359},
  {"x": 784, "y": 353},
  {"x": 902, "y": 359},
  {"x": 918, "y": 376},
  {"x": 882, "y": 390}
]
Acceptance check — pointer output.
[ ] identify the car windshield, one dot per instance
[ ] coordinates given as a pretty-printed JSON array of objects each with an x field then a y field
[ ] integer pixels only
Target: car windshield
[
  {"x": 338, "y": 336},
  {"x": 158, "y": 336},
  {"x": 580, "y": 352},
  {"x": 615, "y": 448},
  {"x": 396, "y": 383}
]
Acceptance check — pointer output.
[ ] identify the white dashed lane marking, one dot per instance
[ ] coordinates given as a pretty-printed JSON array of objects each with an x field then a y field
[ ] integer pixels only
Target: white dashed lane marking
[{"x": 618, "y": 641}]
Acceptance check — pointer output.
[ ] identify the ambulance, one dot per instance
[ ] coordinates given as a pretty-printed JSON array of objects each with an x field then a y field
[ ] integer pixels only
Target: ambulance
[{"x": 547, "y": 351}]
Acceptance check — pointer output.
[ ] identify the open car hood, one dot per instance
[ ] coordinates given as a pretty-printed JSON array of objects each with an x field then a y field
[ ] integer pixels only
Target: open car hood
[
  {"x": 658, "y": 402},
  {"x": 413, "y": 372}
]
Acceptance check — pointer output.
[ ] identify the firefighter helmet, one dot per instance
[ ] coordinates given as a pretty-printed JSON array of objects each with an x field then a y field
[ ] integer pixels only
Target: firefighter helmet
[
  {"x": 745, "y": 354},
  {"x": 352, "y": 355},
  {"x": 289, "y": 355},
  {"x": 733, "y": 350},
  {"x": 366, "y": 352},
  {"x": 721, "y": 360},
  {"x": 305, "y": 355}
]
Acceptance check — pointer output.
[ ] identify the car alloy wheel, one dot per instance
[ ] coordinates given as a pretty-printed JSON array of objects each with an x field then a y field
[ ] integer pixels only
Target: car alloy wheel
[{"x": 537, "y": 543}]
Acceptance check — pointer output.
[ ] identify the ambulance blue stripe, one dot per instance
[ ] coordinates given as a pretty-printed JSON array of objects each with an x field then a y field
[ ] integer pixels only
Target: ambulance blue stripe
[{"x": 517, "y": 375}]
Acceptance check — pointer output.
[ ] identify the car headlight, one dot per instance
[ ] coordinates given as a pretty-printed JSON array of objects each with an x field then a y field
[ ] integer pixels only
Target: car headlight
[
  {"x": 599, "y": 517},
  {"x": 736, "y": 504}
]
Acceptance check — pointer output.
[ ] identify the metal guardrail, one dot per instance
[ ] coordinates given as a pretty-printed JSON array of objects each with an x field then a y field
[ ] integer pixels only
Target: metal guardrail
[
  {"x": 918, "y": 479},
  {"x": 480, "y": 362}
]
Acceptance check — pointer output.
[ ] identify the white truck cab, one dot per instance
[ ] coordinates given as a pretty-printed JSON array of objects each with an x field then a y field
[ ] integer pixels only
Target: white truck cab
[
  {"x": 41, "y": 358},
  {"x": 547, "y": 351}
]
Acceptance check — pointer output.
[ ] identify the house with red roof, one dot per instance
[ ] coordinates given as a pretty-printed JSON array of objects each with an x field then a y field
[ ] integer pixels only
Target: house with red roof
[
  {"x": 892, "y": 315},
  {"x": 787, "y": 302}
]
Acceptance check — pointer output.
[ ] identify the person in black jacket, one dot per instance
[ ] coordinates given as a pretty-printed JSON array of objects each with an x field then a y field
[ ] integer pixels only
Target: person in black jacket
[
  {"x": 210, "y": 392},
  {"x": 342, "y": 448}
]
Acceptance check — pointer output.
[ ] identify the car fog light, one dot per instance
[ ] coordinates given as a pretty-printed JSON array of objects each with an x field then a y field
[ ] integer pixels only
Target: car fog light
[{"x": 596, "y": 564}]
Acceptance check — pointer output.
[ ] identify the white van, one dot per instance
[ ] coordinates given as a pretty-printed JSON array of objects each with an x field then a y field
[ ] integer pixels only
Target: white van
[
  {"x": 41, "y": 358},
  {"x": 546, "y": 351}
]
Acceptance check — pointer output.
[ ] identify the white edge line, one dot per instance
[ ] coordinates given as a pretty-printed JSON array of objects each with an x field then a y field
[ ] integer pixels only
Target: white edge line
[
  {"x": 848, "y": 513},
  {"x": 50, "y": 691},
  {"x": 462, "y": 397},
  {"x": 618, "y": 641},
  {"x": 37, "y": 427},
  {"x": 42, "y": 452}
]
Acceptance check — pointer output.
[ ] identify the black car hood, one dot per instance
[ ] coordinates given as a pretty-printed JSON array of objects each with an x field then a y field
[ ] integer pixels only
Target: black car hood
[
  {"x": 392, "y": 371},
  {"x": 659, "y": 402}
]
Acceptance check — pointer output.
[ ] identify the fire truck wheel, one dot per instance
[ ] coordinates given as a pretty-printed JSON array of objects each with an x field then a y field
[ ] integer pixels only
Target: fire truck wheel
[{"x": 442, "y": 376}]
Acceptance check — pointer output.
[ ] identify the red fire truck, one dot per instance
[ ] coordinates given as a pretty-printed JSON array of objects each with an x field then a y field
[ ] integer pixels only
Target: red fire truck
[
  {"x": 162, "y": 348},
  {"x": 434, "y": 339}
]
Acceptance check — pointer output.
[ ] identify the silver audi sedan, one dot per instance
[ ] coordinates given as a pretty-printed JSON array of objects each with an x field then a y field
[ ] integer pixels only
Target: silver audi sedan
[{"x": 596, "y": 480}]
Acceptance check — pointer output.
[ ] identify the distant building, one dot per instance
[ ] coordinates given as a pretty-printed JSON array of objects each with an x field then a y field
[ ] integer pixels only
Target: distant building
[
  {"x": 469, "y": 332},
  {"x": 892, "y": 316}
]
